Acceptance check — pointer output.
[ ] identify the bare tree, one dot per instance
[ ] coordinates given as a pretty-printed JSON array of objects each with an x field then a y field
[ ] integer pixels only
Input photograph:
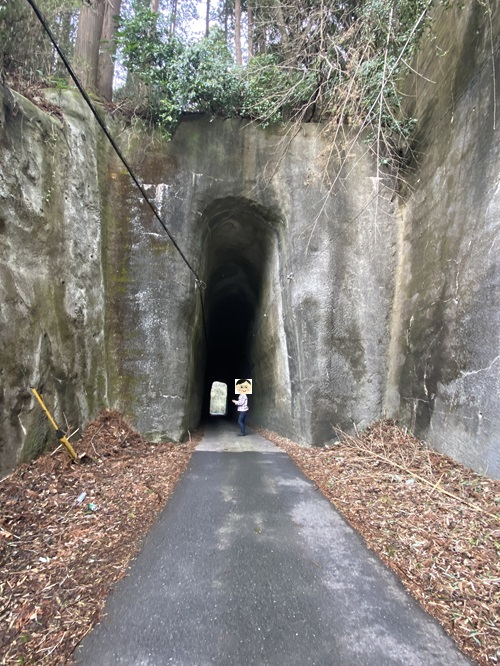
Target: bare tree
[
  {"x": 86, "y": 58},
  {"x": 237, "y": 32},
  {"x": 107, "y": 49},
  {"x": 207, "y": 19}
]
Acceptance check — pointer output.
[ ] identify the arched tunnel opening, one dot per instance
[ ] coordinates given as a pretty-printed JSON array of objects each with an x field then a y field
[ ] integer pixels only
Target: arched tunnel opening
[{"x": 239, "y": 246}]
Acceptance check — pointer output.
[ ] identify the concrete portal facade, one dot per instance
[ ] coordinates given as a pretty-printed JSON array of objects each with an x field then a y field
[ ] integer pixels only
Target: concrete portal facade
[{"x": 296, "y": 295}]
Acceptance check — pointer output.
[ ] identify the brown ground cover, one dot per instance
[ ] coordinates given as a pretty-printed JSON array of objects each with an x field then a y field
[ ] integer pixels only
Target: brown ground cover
[
  {"x": 434, "y": 522},
  {"x": 431, "y": 520},
  {"x": 61, "y": 552}
]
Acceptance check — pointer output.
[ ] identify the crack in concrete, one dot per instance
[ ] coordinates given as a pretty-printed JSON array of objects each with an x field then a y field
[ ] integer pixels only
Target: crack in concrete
[{"x": 476, "y": 372}]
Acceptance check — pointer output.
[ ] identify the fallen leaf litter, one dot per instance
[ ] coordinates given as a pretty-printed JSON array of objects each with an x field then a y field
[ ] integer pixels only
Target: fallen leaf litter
[
  {"x": 433, "y": 521},
  {"x": 68, "y": 532}
]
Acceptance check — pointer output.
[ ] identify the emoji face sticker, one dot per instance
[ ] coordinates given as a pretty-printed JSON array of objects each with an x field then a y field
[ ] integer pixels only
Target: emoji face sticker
[{"x": 243, "y": 386}]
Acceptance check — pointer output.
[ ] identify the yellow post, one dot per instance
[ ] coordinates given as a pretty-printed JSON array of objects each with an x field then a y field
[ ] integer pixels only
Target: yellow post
[{"x": 59, "y": 433}]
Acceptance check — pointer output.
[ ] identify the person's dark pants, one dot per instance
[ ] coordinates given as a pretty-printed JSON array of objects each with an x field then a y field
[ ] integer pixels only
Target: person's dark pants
[{"x": 241, "y": 421}]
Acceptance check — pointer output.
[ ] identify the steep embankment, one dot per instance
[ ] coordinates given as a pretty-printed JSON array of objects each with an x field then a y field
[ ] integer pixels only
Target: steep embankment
[
  {"x": 52, "y": 297},
  {"x": 445, "y": 354}
]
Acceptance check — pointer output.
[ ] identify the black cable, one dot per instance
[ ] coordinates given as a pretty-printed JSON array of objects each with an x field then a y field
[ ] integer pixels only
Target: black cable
[{"x": 199, "y": 283}]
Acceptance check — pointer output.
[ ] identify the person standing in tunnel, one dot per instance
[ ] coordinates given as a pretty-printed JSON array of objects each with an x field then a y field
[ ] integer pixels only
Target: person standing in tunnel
[{"x": 243, "y": 387}]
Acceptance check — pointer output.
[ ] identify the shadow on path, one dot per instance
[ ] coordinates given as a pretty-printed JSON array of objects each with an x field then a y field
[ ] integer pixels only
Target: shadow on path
[{"x": 249, "y": 564}]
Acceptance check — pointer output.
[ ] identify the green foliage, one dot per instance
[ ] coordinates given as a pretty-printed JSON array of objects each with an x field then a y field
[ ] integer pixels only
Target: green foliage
[
  {"x": 391, "y": 22},
  {"x": 212, "y": 82},
  {"x": 273, "y": 92},
  {"x": 343, "y": 63},
  {"x": 311, "y": 59},
  {"x": 386, "y": 32},
  {"x": 196, "y": 76},
  {"x": 264, "y": 85},
  {"x": 13, "y": 18},
  {"x": 59, "y": 83}
]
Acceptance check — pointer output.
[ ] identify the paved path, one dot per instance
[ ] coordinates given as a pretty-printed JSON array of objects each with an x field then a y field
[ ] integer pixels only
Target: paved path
[{"x": 249, "y": 564}]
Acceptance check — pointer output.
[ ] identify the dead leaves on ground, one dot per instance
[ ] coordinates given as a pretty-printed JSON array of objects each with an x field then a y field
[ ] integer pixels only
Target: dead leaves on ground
[
  {"x": 433, "y": 521},
  {"x": 67, "y": 533}
]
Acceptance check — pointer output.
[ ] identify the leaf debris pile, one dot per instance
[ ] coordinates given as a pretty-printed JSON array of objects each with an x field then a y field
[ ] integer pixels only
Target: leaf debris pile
[
  {"x": 34, "y": 91},
  {"x": 431, "y": 520},
  {"x": 67, "y": 533}
]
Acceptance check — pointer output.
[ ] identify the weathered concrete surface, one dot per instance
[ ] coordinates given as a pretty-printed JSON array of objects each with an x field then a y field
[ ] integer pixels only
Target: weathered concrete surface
[
  {"x": 264, "y": 572},
  {"x": 342, "y": 302},
  {"x": 298, "y": 296},
  {"x": 445, "y": 360},
  {"x": 51, "y": 281}
]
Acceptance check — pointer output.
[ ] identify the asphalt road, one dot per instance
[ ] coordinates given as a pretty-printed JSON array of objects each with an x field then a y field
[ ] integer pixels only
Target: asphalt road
[{"x": 249, "y": 564}]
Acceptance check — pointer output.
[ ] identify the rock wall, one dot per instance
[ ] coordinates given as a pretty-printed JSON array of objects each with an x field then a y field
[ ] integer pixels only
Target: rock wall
[
  {"x": 341, "y": 300},
  {"x": 51, "y": 280},
  {"x": 445, "y": 359},
  {"x": 99, "y": 308}
]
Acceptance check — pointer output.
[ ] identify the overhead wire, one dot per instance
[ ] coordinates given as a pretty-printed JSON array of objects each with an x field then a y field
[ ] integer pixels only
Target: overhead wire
[{"x": 198, "y": 281}]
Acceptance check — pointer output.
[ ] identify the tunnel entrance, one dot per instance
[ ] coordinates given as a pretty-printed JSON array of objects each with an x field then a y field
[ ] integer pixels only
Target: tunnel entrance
[{"x": 240, "y": 240}]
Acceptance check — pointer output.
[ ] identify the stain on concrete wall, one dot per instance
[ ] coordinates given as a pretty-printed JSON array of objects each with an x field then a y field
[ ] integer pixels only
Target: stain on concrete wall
[
  {"x": 51, "y": 281},
  {"x": 298, "y": 282},
  {"x": 342, "y": 299},
  {"x": 444, "y": 375}
]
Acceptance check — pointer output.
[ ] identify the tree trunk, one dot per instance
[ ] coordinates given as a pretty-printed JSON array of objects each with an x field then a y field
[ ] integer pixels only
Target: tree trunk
[
  {"x": 86, "y": 58},
  {"x": 135, "y": 89},
  {"x": 173, "y": 20},
  {"x": 237, "y": 32},
  {"x": 65, "y": 42},
  {"x": 280, "y": 19},
  {"x": 250, "y": 30},
  {"x": 107, "y": 49},
  {"x": 207, "y": 20},
  {"x": 155, "y": 5},
  {"x": 226, "y": 21}
]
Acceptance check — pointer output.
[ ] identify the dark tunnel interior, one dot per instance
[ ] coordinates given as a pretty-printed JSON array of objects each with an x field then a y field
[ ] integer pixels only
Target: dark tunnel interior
[{"x": 238, "y": 248}]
